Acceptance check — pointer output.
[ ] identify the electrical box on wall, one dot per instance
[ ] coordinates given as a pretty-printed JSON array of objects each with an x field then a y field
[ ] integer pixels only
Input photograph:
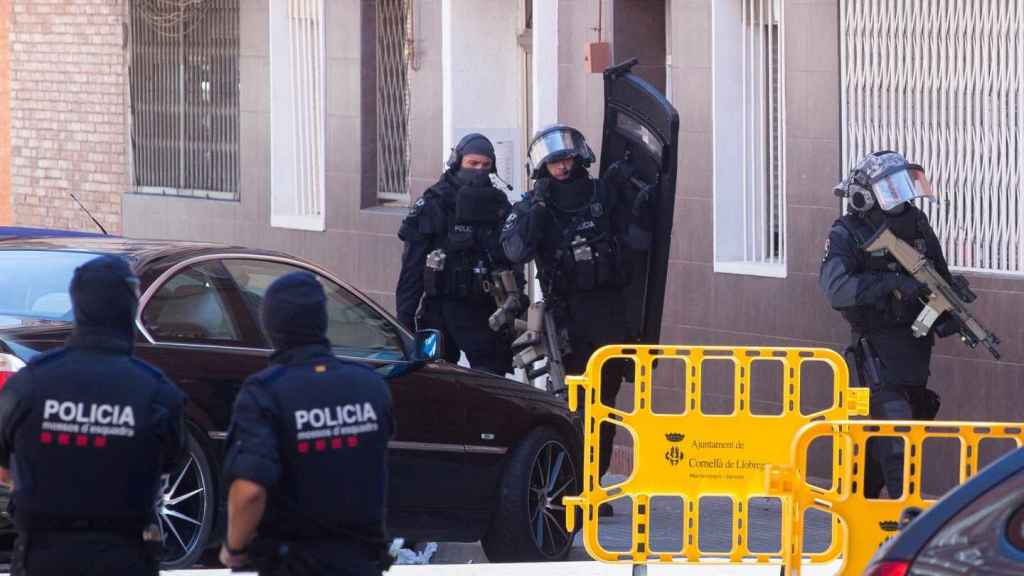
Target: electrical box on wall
[{"x": 597, "y": 56}]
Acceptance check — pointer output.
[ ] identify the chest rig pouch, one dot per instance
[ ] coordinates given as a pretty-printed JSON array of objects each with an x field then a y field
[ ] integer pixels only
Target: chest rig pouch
[
  {"x": 890, "y": 311},
  {"x": 590, "y": 254},
  {"x": 461, "y": 265}
]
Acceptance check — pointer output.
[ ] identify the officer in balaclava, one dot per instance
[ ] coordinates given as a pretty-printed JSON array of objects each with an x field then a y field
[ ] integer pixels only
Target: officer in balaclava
[
  {"x": 580, "y": 231},
  {"x": 86, "y": 430},
  {"x": 307, "y": 453},
  {"x": 880, "y": 300},
  {"x": 451, "y": 238}
]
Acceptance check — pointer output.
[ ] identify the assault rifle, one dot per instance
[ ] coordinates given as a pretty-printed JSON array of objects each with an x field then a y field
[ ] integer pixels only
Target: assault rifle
[
  {"x": 942, "y": 296},
  {"x": 508, "y": 296},
  {"x": 542, "y": 340}
]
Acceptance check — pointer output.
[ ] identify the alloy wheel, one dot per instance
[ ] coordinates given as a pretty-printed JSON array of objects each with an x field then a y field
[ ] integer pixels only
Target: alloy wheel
[
  {"x": 181, "y": 508},
  {"x": 551, "y": 477}
]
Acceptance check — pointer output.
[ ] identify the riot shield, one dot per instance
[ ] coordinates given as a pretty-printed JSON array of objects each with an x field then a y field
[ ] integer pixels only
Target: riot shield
[{"x": 641, "y": 126}]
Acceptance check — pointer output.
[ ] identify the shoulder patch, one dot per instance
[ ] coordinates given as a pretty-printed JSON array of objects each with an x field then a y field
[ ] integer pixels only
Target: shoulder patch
[
  {"x": 417, "y": 206},
  {"x": 510, "y": 222}
]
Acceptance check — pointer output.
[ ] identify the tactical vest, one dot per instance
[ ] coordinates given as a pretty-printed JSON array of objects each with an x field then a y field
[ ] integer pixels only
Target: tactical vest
[
  {"x": 84, "y": 450},
  {"x": 588, "y": 256},
  {"x": 332, "y": 442},
  {"x": 471, "y": 253},
  {"x": 890, "y": 312}
]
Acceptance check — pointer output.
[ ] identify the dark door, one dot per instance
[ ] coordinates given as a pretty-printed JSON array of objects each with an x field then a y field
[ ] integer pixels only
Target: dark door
[
  {"x": 642, "y": 126},
  {"x": 427, "y": 457},
  {"x": 197, "y": 330}
]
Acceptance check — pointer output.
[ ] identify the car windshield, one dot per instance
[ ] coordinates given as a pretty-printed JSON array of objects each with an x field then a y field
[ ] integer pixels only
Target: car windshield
[{"x": 35, "y": 282}]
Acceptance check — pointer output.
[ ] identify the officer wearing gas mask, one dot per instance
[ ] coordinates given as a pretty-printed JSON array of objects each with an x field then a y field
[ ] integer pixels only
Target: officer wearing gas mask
[
  {"x": 307, "y": 450},
  {"x": 86, "y": 431},
  {"x": 452, "y": 249},
  {"x": 880, "y": 300},
  {"x": 580, "y": 230}
]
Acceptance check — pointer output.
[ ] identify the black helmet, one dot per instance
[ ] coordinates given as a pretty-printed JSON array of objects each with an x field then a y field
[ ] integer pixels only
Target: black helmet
[
  {"x": 473, "y": 143},
  {"x": 558, "y": 142},
  {"x": 884, "y": 179}
]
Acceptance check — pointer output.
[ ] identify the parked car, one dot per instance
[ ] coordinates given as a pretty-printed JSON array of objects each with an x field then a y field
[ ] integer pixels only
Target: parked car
[
  {"x": 977, "y": 529},
  {"x": 476, "y": 457}
]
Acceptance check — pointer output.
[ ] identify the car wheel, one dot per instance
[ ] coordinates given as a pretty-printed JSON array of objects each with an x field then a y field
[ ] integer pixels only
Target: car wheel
[
  {"x": 529, "y": 521},
  {"x": 185, "y": 509}
]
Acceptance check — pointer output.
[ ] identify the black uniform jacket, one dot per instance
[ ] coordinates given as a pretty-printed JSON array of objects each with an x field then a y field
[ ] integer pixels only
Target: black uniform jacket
[
  {"x": 313, "y": 430},
  {"x": 87, "y": 430}
]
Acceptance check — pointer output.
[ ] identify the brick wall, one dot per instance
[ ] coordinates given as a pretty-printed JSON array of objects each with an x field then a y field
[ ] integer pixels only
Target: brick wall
[
  {"x": 68, "y": 108},
  {"x": 5, "y": 118}
]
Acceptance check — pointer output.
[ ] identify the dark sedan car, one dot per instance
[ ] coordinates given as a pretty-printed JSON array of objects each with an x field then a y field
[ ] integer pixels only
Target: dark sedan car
[
  {"x": 476, "y": 457},
  {"x": 977, "y": 529}
]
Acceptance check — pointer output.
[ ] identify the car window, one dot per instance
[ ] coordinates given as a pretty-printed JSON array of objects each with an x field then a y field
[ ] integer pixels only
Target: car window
[
  {"x": 190, "y": 308},
  {"x": 35, "y": 282},
  {"x": 354, "y": 328},
  {"x": 970, "y": 542}
]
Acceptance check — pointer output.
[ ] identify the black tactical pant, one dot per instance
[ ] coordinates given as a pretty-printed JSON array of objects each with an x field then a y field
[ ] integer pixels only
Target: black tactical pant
[
  {"x": 326, "y": 558},
  {"x": 80, "y": 554},
  {"x": 463, "y": 324},
  {"x": 885, "y": 456},
  {"x": 597, "y": 319}
]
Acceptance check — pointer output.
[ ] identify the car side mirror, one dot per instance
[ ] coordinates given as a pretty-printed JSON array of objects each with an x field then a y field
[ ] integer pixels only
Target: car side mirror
[{"x": 429, "y": 345}]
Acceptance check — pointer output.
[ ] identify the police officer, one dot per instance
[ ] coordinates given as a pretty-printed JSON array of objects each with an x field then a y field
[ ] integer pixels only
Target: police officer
[
  {"x": 451, "y": 238},
  {"x": 307, "y": 456},
  {"x": 880, "y": 300},
  {"x": 86, "y": 431},
  {"x": 580, "y": 231}
]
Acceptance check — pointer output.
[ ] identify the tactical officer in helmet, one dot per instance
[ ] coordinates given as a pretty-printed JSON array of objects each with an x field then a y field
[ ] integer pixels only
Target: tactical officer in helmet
[
  {"x": 307, "y": 450},
  {"x": 580, "y": 231},
  {"x": 86, "y": 431},
  {"x": 451, "y": 238},
  {"x": 880, "y": 300}
]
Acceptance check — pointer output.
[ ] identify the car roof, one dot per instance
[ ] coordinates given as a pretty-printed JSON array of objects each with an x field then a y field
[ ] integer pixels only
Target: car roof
[
  {"x": 22, "y": 231},
  {"x": 140, "y": 252}
]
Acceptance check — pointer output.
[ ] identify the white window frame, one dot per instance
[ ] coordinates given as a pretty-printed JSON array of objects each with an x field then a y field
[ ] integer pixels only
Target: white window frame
[
  {"x": 744, "y": 164},
  {"x": 297, "y": 115}
]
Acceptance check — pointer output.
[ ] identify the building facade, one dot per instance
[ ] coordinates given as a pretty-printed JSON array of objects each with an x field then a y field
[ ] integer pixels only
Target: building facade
[{"x": 309, "y": 126}]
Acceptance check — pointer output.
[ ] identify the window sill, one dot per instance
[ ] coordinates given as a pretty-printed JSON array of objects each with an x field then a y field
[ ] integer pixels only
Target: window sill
[
  {"x": 185, "y": 193},
  {"x": 765, "y": 269},
  {"x": 386, "y": 210}
]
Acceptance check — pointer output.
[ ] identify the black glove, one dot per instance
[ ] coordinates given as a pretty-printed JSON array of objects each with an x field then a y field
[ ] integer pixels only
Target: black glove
[
  {"x": 946, "y": 325},
  {"x": 540, "y": 217},
  {"x": 907, "y": 286}
]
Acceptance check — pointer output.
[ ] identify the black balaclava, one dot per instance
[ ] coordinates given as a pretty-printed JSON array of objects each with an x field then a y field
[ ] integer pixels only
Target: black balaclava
[
  {"x": 475, "y": 144},
  {"x": 295, "y": 311},
  {"x": 104, "y": 295},
  {"x": 573, "y": 193}
]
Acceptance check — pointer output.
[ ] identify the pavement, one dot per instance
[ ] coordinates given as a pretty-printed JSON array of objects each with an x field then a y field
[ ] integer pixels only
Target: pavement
[
  {"x": 567, "y": 569},
  {"x": 465, "y": 559},
  {"x": 615, "y": 533}
]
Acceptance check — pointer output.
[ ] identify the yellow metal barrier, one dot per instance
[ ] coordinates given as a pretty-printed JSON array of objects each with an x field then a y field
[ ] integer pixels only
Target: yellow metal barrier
[
  {"x": 867, "y": 523},
  {"x": 693, "y": 454}
]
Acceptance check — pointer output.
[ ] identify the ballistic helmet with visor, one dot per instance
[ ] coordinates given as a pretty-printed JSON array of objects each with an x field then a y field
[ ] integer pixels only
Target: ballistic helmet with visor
[
  {"x": 558, "y": 142},
  {"x": 884, "y": 179}
]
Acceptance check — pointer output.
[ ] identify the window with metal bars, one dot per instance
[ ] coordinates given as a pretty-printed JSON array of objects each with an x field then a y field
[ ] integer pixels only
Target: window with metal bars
[
  {"x": 392, "y": 67},
  {"x": 749, "y": 124},
  {"x": 944, "y": 86},
  {"x": 184, "y": 76}
]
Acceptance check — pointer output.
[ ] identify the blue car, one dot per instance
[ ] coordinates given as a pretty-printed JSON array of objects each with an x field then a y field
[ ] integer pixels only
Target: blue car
[
  {"x": 24, "y": 232},
  {"x": 976, "y": 529}
]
